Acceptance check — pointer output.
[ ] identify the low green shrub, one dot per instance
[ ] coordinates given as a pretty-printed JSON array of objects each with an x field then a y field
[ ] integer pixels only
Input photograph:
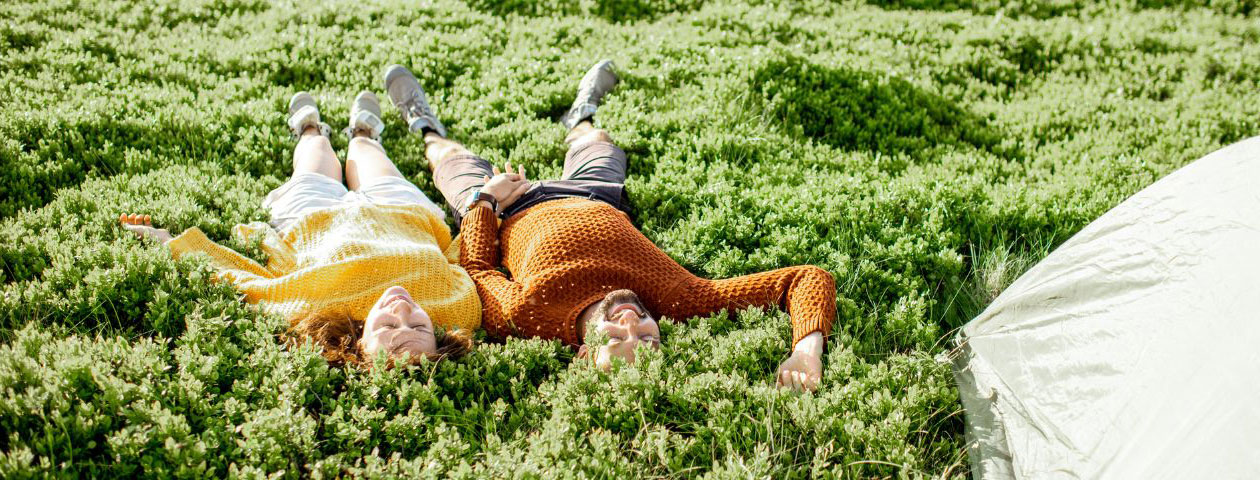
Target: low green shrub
[{"x": 925, "y": 153}]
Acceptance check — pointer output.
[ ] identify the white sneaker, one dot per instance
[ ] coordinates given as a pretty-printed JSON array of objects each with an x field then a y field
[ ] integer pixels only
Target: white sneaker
[
  {"x": 365, "y": 115},
  {"x": 303, "y": 113}
]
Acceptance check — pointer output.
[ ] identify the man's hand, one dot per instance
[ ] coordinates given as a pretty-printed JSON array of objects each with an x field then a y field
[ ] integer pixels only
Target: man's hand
[
  {"x": 803, "y": 370},
  {"x": 506, "y": 186},
  {"x": 142, "y": 226}
]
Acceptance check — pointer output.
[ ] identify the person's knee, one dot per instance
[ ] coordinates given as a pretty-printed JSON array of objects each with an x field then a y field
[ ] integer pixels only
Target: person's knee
[
  {"x": 600, "y": 135},
  {"x": 365, "y": 142},
  {"x": 452, "y": 151},
  {"x": 596, "y": 135},
  {"x": 315, "y": 141}
]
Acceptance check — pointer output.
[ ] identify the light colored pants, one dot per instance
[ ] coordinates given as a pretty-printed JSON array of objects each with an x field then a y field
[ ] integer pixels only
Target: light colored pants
[{"x": 307, "y": 192}]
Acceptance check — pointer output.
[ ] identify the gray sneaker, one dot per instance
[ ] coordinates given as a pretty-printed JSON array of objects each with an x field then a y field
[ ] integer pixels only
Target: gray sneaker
[
  {"x": 365, "y": 114},
  {"x": 303, "y": 113},
  {"x": 409, "y": 98},
  {"x": 598, "y": 81}
]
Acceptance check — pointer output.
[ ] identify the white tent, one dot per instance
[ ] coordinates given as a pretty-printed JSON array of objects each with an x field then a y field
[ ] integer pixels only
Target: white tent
[{"x": 1133, "y": 350}]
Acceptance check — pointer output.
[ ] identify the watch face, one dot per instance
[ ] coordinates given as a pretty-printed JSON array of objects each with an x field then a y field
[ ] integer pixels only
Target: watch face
[{"x": 477, "y": 195}]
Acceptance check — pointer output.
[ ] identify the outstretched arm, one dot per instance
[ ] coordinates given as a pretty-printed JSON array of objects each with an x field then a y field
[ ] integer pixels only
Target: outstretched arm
[
  {"x": 808, "y": 293},
  {"x": 142, "y": 226},
  {"x": 231, "y": 266}
]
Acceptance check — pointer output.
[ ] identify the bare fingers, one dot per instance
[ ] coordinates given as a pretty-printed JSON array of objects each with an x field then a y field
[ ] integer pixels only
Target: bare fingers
[
  {"x": 135, "y": 219},
  {"x": 797, "y": 380},
  {"x": 515, "y": 176}
]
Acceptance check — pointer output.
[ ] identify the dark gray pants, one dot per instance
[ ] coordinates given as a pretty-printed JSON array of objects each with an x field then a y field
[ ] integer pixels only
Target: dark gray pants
[{"x": 594, "y": 170}]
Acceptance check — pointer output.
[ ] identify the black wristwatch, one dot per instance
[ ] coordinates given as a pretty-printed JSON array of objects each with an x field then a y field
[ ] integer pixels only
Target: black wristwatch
[{"x": 477, "y": 196}]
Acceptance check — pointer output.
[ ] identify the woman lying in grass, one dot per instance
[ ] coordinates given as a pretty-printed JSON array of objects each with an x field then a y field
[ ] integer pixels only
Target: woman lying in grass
[{"x": 362, "y": 270}]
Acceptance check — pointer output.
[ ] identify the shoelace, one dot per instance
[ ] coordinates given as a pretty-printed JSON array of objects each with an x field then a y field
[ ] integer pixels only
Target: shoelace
[{"x": 416, "y": 107}]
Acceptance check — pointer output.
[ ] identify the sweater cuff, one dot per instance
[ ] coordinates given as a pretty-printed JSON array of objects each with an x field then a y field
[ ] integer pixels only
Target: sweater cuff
[
  {"x": 474, "y": 216},
  {"x": 192, "y": 240},
  {"x": 802, "y": 328}
]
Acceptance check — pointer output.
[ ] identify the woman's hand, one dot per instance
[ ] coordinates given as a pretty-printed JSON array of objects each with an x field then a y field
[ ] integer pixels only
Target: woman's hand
[
  {"x": 506, "y": 186},
  {"x": 142, "y": 226}
]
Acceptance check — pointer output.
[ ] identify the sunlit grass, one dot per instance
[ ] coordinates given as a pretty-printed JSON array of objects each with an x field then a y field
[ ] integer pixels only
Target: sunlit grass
[{"x": 924, "y": 152}]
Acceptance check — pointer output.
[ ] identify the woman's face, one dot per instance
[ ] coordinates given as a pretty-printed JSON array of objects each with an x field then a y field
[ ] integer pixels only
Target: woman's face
[{"x": 397, "y": 325}]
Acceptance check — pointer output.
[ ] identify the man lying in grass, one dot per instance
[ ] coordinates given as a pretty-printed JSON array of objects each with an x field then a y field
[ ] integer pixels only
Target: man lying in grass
[
  {"x": 574, "y": 259},
  {"x": 362, "y": 270}
]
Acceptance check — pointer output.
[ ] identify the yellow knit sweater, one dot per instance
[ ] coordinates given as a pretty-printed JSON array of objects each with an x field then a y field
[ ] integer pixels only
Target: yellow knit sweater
[{"x": 340, "y": 260}]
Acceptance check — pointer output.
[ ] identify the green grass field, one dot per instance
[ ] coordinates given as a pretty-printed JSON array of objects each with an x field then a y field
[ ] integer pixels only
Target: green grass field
[{"x": 923, "y": 151}]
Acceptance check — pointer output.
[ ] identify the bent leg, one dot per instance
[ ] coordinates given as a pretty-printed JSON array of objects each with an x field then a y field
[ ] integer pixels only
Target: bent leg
[
  {"x": 366, "y": 162},
  {"x": 593, "y": 156},
  {"x": 314, "y": 154},
  {"x": 456, "y": 171},
  {"x": 315, "y": 184},
  {"x": 370, "y": 172},
  {"x": 585, "y": 132}
]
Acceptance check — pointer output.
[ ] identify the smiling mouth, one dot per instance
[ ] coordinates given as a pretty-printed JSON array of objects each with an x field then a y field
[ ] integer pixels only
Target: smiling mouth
[
  {"x": 395, "y": 299},
  {"x": 623, "y": 307}
]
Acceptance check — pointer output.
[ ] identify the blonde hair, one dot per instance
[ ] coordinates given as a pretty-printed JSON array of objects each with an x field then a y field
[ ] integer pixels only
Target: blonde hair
[{"x": 339, "y": 334}]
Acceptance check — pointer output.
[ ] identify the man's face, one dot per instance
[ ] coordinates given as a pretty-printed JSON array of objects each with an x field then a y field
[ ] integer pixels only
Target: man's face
[
  {"x": 397, "y": 325},
  {"x": 622, "y": 317}
]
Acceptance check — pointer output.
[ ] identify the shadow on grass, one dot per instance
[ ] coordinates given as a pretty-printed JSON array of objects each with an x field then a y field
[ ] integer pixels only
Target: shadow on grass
[
  {"x": 1038, "y": 9},
  {"x": 1044, "y": 9},
  {"x": 617, "y": 11},
  {"x": 42, "y": 157},
  {"x": 857, "y": 110}
]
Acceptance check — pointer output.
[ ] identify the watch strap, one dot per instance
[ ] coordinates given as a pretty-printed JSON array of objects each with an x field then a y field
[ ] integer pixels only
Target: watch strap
[{"x": 477, "y": 196}]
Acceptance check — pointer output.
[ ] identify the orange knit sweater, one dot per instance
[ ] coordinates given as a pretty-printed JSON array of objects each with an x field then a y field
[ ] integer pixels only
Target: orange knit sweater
[{"x": 564, "y": 255}]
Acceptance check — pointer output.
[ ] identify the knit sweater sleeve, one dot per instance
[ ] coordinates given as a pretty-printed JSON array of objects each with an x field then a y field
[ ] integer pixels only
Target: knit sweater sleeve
[
  {"x": 807, "y": 292},
  {"x": 229, "y": 264},
  {"x": 480, "y": 255}
]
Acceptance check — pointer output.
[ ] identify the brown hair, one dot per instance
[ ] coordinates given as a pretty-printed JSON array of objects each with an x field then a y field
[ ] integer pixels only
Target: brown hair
[{"x": 339, "y": 334}]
